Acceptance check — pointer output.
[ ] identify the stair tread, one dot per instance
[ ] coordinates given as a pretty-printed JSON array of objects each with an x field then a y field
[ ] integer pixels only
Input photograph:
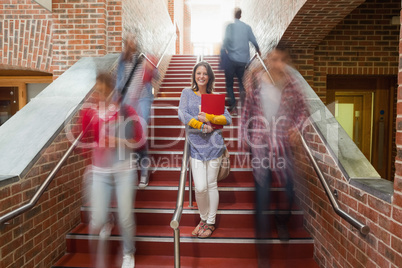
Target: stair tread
[{"x": 114, "y": 261}]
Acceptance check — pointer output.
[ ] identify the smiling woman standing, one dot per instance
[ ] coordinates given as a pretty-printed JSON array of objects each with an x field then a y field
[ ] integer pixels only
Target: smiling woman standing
[{"x": 206, "y": 146}]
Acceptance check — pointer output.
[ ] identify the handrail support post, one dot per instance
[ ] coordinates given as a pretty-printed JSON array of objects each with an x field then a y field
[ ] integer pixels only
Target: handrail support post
[{"x": 176, "y": 234}]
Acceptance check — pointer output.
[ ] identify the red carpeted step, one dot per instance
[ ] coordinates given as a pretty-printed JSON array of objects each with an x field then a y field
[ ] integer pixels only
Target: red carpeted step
[
  {"x": 171, "y": 175},
  {"x": 195, "y": 247},
  {"x": 148, "y": 261},
  {"x": 227, "y": 222}
]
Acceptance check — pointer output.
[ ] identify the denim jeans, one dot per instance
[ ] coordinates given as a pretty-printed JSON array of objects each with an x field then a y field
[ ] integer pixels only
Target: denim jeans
[
  {"x": 122, "y": 182},
  {"x": 235, "y": 68},
  {"x": 144, "y": 111}
]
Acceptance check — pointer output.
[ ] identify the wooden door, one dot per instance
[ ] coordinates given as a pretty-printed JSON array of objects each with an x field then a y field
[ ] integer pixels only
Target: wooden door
[
  {"x": 353, "y": 110},
  {"x": 8, "y": 103},
  {"x": 375, "y": 132}
]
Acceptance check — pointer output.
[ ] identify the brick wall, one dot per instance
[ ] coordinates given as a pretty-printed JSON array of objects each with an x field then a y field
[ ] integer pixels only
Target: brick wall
[
  {"x": 37, "y": 237},
  {"x": 180, "y": 23},
  {"x": 79, "y": 31},
  {"x": 171, "y": 10},
  {"x": 34, "y": 38},
  {"x": 187, "y": 45},
  {"x": 25, "y": 36},
  {"x": 114, "y": 26},
  {"x": 337, "y": 244},
  {"x": 364, "y": 43}
]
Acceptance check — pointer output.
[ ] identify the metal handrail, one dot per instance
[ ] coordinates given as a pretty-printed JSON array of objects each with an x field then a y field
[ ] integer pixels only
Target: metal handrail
[
  {"x": 145, "y": 56},
  {"x": 175, "y": 222},
  {"x": 256, "y": 55},
  {"x": 364, "y": 229},
  {"x": 42, "y": 188},
  {"x": 166, "y": 48},
  {"x": 14, "y": 213}
]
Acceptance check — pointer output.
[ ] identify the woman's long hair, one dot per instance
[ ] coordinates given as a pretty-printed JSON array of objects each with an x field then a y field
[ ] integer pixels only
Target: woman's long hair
[{"x": 211, "y": 77}]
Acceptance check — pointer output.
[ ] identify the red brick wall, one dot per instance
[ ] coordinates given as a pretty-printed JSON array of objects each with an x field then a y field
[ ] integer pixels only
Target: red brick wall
[
  {"x": 364, "y": 43},
  {"x": 79, "y": 31},
  {"x": 34, "y": 38},
  {"x": 114, "y": 26},
  {"x": 37, "y": 237},
  {"x": 187, "y": 45},
  {"x": 337, "y": 244},
  {"x": 171, "y": 9},
  {"x": 25, "y": 36}
]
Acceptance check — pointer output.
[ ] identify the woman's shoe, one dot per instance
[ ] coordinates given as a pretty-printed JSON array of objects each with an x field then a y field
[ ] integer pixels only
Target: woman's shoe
[
  {"x": 207, "y": 231},
  {"x": 199, "y": 228}
]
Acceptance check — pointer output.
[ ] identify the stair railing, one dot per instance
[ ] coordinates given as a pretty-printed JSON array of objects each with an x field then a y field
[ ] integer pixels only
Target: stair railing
[
  {"x": 166, "y": 48},
  {"x": 175, "y": 221},
  {"x": 42, "y": 188},
  {"x": 18, "y": 211},
  {"x": 364, "y": 229}
]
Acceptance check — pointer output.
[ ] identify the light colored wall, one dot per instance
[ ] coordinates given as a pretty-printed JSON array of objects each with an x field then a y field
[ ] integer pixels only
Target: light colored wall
[{"x": 34, "y": 89}]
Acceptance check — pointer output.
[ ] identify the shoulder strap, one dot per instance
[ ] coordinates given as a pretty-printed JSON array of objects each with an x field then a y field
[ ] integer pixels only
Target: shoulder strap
[{"x": 130, "y": 76}]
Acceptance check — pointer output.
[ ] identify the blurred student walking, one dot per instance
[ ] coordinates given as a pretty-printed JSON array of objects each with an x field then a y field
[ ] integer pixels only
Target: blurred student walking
[
  {"x": 273, "y": 114},
  {"x": 134, "y": 77},
  {"x": 116, "y": 131},
  {"x": 236, "y": 45}
]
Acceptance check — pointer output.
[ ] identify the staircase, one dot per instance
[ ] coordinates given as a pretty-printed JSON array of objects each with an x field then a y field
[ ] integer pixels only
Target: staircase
[{"x": 232, "y": 244}]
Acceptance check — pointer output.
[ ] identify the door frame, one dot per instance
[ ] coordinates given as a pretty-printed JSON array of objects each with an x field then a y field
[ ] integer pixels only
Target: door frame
[
  {"x": 384, "y": 87},
  {"x": 21, "y": 83},
  {"x": 365, "y": 118}
]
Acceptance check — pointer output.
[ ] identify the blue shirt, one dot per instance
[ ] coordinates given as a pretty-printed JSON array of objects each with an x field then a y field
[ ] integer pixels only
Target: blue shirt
[
  {"x": 236, "y": 41},
  {"x": 203, "y": 146}
]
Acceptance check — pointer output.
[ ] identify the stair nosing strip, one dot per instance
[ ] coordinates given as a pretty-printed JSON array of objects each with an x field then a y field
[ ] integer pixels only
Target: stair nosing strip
[
  {"x": 178, "y": 169},
  {"x": 183, "y": 126},
  {"x": 187, "y": 239},
  {"x": 181, "y": 152},
  {"x": 183, "y": 138},
  {"x": 190, "y": 211},
  {"x": 169, "y": 126},
  {"x": 164, "y": 116},
  {"x": 168, "y": 98}
]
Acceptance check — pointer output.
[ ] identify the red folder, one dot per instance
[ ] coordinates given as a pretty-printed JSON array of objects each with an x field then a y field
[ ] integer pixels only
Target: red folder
[{"x": 213, "y": 104}]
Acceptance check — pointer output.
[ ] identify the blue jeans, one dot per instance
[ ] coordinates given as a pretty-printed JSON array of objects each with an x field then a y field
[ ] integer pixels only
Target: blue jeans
[
  {"x": 122, "y": 182},
  {"x": 144, "y": 111},
  {"x": 234, "y": 68}
]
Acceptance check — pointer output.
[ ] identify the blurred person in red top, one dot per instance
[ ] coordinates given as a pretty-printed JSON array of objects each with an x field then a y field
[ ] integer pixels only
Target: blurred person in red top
[
  {"x": 274, "y": 113},
  {"x": 116, "y": 133}
]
